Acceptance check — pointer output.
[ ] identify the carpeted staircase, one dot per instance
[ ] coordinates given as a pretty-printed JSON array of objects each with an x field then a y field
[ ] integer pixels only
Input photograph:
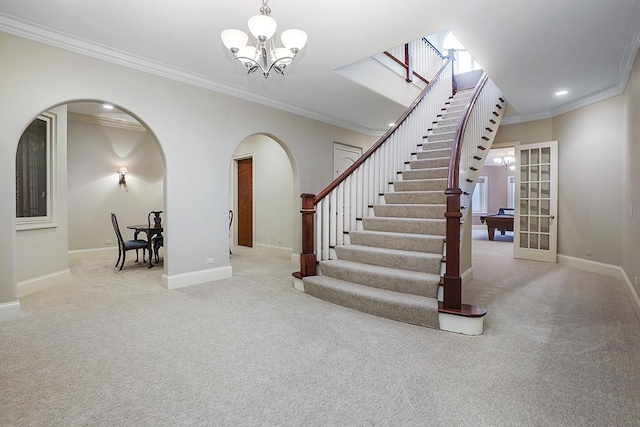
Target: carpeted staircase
[{"x": 392, "y": 267}]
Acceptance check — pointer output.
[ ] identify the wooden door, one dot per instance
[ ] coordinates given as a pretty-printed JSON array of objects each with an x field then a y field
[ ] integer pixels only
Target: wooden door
[
  {"x": 343, "y": 157},
  {"x": 535, "y": 223},
  {"x": 245, "y": 202}
]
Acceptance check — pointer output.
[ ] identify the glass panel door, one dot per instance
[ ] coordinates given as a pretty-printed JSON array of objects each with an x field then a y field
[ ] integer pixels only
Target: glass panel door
[{"x": 536, "y": 230}]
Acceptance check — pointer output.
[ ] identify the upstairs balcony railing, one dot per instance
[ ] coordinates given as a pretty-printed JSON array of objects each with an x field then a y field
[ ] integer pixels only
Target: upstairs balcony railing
[{"x": 419, "y": 59}]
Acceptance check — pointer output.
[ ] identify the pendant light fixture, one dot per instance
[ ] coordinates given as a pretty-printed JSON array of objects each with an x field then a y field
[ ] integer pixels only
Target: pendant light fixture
[{"x": 264, "y": 55}]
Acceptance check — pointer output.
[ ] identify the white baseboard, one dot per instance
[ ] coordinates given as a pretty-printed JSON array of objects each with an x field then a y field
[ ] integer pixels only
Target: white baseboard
[
  {"x": 276, "y": 250},
  {"x": 88, "y": 253},
  {"x": 591, "y": 266},
  {"x": 176, "y": 281},
  {"x": 36, "y": 284},
  {"x": 633, "y": 295},
  {"x": 610, "y": 270},
  {"x": 10, "y": 311},
  {"x": 467, "y": 276},
  {"x": 295, "y": 258}
]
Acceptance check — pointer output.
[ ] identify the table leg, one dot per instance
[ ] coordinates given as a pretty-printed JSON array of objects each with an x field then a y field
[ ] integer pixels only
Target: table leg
[{"x": 491, "y": 231}]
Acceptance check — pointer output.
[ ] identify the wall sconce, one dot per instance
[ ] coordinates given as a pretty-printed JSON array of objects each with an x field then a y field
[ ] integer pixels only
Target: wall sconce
[{"x": 123, "y": 172}]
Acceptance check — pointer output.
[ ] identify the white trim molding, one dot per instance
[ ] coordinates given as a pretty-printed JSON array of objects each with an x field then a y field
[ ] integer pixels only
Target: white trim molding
[
  {"x": 10, "y": 311},
  {"x": 610, "y": 270},
  {"x": 28, "y": 287},
  {"x": 176, "y": 281}
]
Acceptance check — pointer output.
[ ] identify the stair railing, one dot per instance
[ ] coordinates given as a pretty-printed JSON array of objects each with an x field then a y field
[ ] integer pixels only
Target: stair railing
[
  {"x": 328, "y": 217},
  {"x": 472, "y": 139},
  {"x": 419, "y": 58}
]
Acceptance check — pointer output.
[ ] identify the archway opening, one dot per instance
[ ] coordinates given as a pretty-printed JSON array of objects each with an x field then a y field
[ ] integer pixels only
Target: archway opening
[
  {"x": 272, "y": 186},
  {"x": 87, "y": 146}
]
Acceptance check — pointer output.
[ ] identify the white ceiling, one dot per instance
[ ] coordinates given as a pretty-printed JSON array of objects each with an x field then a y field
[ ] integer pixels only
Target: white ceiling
[{"x": 530, "y": 49}]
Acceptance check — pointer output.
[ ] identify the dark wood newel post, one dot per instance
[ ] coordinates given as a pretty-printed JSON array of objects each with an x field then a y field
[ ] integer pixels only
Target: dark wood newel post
[
  {"x": 308, "y": 257},
  {"x": 452, "y": 298}
]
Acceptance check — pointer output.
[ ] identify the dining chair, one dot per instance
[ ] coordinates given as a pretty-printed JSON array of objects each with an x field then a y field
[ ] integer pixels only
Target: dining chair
[
  {"x": 127, "y": 245},
  {"x": 154, "y": 220}
]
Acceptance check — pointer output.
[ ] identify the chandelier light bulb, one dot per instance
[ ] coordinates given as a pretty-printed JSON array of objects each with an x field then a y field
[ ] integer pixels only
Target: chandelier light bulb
[
  {"x": 262, "y": 27},
  {"x": 294, "y": 39},
  {"x": 234, "y": 39}
]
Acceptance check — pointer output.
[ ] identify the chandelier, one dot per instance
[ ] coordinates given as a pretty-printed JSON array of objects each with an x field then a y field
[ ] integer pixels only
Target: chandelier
[
  {"x": 506, "y": 161},
  {"x": 264, "y": 55}
]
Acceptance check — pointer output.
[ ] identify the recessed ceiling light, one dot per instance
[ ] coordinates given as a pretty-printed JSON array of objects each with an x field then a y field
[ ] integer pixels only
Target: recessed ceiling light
[
  {"x": 562, "y": 92},
  {"x": 107, "y": 106},
  {"x": 391, "y": 124}
]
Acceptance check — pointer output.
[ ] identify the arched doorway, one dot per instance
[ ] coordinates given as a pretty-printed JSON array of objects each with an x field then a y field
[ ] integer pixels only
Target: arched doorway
[
  {"x": 263, "y": 171},
  {"x": 88, "y": 145}
]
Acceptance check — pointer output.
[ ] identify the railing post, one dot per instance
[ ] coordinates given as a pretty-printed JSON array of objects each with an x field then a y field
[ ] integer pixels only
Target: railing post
[
  {"x": 452, "y": 297},
  {"x": 408, "y": 60},
  {"x": 454, "y": 84},
  {"x": 308, "y": 257}
]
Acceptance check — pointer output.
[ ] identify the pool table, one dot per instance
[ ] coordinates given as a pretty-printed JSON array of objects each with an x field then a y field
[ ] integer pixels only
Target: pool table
[{"x": 502, "y": 221}]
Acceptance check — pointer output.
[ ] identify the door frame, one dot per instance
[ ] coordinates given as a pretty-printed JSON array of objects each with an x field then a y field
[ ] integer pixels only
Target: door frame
[
  {"x": 550, "y": 255},
  {"x": 233, "y": 239},
  {"x": 344, "y": 147}
]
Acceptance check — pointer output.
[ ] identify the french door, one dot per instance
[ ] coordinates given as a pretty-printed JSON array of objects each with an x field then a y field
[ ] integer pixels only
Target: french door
[{"x": 535, "y": 222}]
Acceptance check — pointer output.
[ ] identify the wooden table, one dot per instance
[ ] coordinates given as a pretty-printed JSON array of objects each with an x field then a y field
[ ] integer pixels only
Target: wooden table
[
  {"x": 500, "y": 221},
  {"x": 150, "y": 232}
]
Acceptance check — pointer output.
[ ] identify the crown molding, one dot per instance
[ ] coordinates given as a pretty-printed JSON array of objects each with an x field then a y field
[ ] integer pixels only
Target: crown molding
[
  {"x": 104, "y": 121},
  {"x": 624, "y": 71},
  {"x": 30, "y": 31}
]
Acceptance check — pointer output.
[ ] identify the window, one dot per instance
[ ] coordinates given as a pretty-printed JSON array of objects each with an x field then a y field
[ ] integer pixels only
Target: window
[
  {"x": 34, "y": 174},
  {"x": 511, "y": 191},
  {"x": 463, "y": 61},
  {"x": 480, "y": 196}
]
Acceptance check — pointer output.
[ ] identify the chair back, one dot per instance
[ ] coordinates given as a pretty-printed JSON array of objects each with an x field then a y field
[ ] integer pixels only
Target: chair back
[
  {"x": 154, "y": 220},
  {"x": 114, "y": 222}
]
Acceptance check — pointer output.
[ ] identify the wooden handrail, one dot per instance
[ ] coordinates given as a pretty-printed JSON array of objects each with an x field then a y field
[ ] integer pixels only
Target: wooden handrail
[
  {"x": 452, "y": 292},
  {"x": 405, "y": 66},
  {"x": 382, "y": 139},
  {"x": 454, "y": 164}
]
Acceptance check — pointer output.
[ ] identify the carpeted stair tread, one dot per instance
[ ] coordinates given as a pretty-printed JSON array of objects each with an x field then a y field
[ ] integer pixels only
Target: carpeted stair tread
[
  {"x": 436, "y": 184},
  {"x": 434, "y": 154},
  {"x": 400, "y": 241},
  {"x": 415, "y": 197},
  {"x": 429, "y": 226},
  {"x": 391, "y": 279},
  {"x": 447, "y": 136},
  {"x": 393, "y": 258},
  {"x": 425, "y": 173},
  {"x": 435, "y": 162},
  {"x": 428, "y": 145},
  {"x": 412, "y": 309},
  {"x": 409, "y": 210}
]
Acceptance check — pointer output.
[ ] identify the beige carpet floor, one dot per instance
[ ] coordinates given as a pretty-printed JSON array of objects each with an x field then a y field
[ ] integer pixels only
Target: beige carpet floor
[{"x": 561, "y": 348}]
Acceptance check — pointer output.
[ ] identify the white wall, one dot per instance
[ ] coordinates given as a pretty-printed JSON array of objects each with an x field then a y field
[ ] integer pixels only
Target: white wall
[
  {"x": 590, "y": 142},
  {"x": 273, "y": 195},
  {"x": 590, "y": 160},
  {"x": 95, "y": 154},
  {"x": 197, "y": 131},
  {"x": 630, "y": 188}
]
